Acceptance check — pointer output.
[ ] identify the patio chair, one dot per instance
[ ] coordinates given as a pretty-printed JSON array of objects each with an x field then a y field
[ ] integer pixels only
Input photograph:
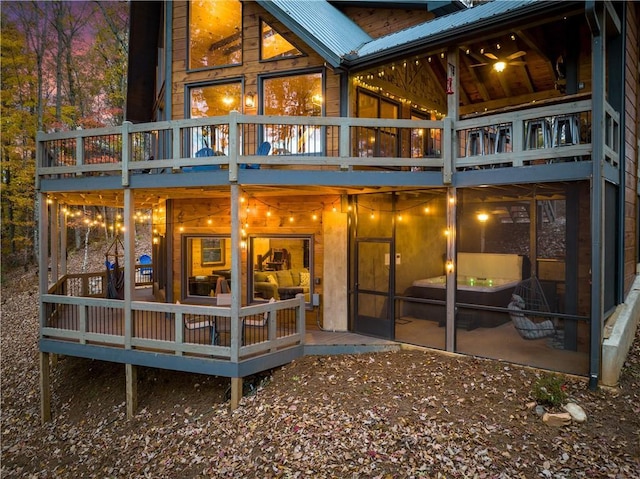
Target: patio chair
[
  {"x": 529, "y": 296},
  {"x": 194, "y": 322},
  {"x": 263, "y": 150},
  {"x": 146, "y": 273},
  {"x": 201, "y": 153}
]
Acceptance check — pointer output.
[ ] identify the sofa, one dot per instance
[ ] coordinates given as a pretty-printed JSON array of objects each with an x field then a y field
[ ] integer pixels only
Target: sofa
[{"x": 282, "y": 284}]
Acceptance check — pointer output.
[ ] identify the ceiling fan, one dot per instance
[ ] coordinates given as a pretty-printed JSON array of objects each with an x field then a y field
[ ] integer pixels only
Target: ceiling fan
[{"x": 500, "y": 64}]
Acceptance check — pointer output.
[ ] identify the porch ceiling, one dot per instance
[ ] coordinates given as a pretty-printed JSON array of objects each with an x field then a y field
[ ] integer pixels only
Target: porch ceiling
[
  {"x": 544, "y": 59},
  {"x": 147, "y": 198}
]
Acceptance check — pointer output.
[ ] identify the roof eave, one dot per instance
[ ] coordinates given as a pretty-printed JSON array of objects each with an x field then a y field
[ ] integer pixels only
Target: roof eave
[
  {"x": 457, "y": 34},
  {"x": 320, "y": 48}
]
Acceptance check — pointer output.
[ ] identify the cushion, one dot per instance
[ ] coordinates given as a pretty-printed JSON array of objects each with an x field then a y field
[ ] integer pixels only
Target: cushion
[
  {"x": 260, "y": 277},
  {"x": 285, "y": 280},
  {"x": 304, "y": 280},
  {"x": 518, "y": 301},
  {"x": 272, "y": 279}
]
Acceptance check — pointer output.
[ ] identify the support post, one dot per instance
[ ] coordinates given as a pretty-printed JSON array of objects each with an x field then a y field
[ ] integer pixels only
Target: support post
[
  {"x": 131, "y": 372},
  {"x": 129, "y": 264},
  {"x": 236, "y": 392},
  {"x": 450, "y": 271},
  {"x": 45, "y": 388},
  {"x": 236, "y": 340}
]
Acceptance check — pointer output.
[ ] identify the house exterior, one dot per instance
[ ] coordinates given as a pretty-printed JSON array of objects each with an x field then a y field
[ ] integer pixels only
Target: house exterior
[{"x": 464, "y": 179}]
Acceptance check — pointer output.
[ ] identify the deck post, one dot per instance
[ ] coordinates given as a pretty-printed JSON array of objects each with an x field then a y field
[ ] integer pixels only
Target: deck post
[
  {"x": 451, "y": 273},
  {"x": 236, "y": 333},
  {"x": 45, "y": 388},
  {"x": 236, "y": 392},
  {"x": 131, "y": 372}
]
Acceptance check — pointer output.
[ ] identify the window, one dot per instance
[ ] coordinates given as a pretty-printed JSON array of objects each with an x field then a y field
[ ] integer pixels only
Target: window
[
  {"x": 376, "y": 141},
  {"x": 215, "y": 33},
  {"x": 425, "y": 142},
  {"x": 206, "y": 265},
  {"x": 295, "y": 95},
  {"x": 282, "y": 267},
  {"x": 213, "y": 100},
  {"x": 273, "y": 45}
]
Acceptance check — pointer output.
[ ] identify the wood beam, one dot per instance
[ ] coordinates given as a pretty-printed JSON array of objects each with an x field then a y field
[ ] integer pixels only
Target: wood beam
[
  {"x": 479, "y": 83},
  {"x": 533, "y": 45},
  {"x": 131, "y": 373},
  {"x": 45, "y": 388},
  {"x": 236, "y": 392}
]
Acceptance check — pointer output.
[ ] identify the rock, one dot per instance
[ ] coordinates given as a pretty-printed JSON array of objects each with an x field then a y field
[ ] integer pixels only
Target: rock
[
  {"x": 576, "y": 412},
  {"x": 540, "y": 410},
  {"x": 556, "y": 419}
]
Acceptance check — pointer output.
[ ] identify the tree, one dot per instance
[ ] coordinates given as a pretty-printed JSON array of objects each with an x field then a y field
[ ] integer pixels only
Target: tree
[
  {"x": 58, "y": 72},
  {"x": 18, "y": 93}
]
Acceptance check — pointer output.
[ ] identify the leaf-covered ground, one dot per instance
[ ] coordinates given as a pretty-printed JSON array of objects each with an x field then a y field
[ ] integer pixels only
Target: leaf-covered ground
[{"x": 388, "y": 415}]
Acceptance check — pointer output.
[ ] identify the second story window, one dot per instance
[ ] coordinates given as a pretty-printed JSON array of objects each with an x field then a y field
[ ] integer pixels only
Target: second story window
[
  {"x": 293, "y": 95},
  {"x": 215, "y": 33},
  {"x": 213, "y": 100},
  {"x": 273, "y": 45}
]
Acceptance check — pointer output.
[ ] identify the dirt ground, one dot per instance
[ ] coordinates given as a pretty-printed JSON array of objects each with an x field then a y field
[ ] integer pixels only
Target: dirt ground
[{"x": 386, "y": 415}]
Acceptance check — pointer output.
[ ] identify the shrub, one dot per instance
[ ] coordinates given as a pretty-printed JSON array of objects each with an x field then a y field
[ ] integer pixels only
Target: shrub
[{"x": 549, "y": 390}]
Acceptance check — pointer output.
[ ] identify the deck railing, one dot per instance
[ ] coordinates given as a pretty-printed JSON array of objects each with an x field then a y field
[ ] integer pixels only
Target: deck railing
[
  {"x": 552, "y": 133},
  {"x": 549, "y": 134},
  {"x": 175, "y": 329}
]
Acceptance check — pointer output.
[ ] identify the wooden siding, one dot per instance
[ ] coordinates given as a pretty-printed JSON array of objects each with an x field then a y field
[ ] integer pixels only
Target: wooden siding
[
  {"x": 630, "y": 137},
  {"x": 378, "y": 22},
  {"x": 194, "y": 215}
]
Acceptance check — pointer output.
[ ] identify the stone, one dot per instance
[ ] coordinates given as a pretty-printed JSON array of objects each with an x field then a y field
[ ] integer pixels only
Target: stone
[
  {"x": 576, "y": 412},
  {"x": 556, "y": 419},
  {"x": 540, "y": 410}
]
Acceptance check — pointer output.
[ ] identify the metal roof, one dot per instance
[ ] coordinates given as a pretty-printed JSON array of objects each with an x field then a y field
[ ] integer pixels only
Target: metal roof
[
  {"x": 322, "y": 26},
  {"x": 444, "y": 25}
]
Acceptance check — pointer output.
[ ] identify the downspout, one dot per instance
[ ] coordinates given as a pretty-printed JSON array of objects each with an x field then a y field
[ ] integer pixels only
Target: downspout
[
  {"x": 598, "y": 97},
  {"x": 450, "y": 147},
  {"x": 620, "y": 88}
]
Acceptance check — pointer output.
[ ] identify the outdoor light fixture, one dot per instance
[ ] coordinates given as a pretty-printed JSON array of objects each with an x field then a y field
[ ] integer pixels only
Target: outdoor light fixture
[
  {"x": 499, "y": 66},
  {"x": 482, "y": 217},
  {"x": 250, "y": 100}
]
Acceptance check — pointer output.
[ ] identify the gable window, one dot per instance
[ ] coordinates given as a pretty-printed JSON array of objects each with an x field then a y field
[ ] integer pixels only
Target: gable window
[
  {"x": 213, "y": 100},
  {"x": 215, "y": 33},
  {"x": 273, "y": 45},
  {"x": 294, "y": 95}
]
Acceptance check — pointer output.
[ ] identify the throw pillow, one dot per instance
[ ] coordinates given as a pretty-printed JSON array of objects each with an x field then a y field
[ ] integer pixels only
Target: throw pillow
[
  {"x": 272, "y": 279},
  {"x": 304, "y": 280}
]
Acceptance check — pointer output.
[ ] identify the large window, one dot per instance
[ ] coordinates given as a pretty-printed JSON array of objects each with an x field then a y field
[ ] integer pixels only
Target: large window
[
  {"x": 282, "y": 267},
  {"x": 215, "y": 33},
  {"x": 376, "y": 141},
  {"x": 207, "y": 266},
  {"x": 213, "y": 100},
  {"x": 295, "y": 95}
]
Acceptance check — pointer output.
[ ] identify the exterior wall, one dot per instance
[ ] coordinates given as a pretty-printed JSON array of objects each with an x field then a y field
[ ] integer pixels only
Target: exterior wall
[
  {"x": 334, "y": 305},
  {"x": 378, "y": 22},
  {"x": 251, "y": 67},
  {"x": 193, "y": 215},
  {"x": 631, "y": 135}
]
